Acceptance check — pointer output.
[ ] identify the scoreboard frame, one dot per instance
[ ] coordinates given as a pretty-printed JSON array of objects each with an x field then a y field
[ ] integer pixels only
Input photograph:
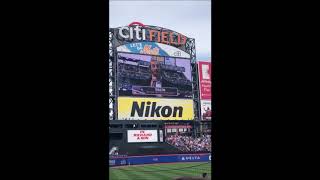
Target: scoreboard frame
[{"x": 187, "y": 46}]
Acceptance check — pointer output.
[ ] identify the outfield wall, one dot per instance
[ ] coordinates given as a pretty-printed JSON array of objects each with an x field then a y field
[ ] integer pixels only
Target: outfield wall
[{"x": 153, "y": 159}]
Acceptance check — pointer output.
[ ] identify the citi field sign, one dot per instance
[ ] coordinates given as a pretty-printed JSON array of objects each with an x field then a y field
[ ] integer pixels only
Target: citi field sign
[{"x": 137, "y": 31}]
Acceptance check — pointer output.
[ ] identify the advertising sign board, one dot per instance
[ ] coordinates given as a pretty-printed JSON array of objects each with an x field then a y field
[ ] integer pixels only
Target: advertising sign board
[
  {"x": 136, "y": 136},
  {"x": 205, "y": 80},
  {"x": 131, "y": 108},
  {"x": 206, "y": 110}
]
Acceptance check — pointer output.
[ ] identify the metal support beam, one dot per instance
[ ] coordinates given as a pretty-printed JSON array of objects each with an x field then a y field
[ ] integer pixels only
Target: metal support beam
[
  {"x": 112, "y": 77},
  {"x": 191, "y": 49}
]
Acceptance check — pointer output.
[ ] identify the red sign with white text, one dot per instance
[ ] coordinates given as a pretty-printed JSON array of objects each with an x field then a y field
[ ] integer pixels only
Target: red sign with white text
[{"x": 205, "y": 80}]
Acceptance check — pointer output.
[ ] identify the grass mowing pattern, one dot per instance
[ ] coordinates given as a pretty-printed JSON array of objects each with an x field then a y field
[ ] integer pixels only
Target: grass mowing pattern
[{"x": 159, "y": 171}]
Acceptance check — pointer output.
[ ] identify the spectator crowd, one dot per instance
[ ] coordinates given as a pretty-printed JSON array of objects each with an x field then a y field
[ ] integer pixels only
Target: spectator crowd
[{"x": 190, "y": 144}]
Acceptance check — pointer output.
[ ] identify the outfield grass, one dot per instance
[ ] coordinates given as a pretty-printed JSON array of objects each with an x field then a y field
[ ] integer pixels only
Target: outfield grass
[{"x": 159, "y": 171}]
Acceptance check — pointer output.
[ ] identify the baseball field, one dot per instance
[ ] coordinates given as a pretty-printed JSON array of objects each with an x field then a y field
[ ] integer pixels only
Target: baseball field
[{"x": 167, "y": 171}]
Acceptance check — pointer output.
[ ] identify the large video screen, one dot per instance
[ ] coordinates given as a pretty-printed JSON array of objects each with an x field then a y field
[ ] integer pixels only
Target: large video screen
[{"x": 154, "y": 76}]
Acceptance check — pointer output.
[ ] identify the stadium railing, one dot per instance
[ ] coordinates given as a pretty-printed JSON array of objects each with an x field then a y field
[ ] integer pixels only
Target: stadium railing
[{"x": 154, "y": 159}]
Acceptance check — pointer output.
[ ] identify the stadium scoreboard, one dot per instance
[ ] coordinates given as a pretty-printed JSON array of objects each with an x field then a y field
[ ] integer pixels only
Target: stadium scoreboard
[{"x": 153, "y": 74}]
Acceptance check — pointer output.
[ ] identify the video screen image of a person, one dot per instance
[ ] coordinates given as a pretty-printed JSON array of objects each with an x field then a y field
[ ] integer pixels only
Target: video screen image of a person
[{"x": 155, "y": 73}]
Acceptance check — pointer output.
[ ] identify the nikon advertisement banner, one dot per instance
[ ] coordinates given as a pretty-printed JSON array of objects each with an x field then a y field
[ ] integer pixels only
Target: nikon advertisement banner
[{"x": 130, "y": 108}]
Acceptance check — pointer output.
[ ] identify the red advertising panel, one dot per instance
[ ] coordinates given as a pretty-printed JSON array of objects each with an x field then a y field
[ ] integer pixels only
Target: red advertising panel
[{"x": 205, "y": 80}]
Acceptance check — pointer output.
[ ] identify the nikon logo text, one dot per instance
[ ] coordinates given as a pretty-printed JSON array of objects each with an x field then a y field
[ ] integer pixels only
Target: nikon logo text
[{"x": 152, "y": 110}]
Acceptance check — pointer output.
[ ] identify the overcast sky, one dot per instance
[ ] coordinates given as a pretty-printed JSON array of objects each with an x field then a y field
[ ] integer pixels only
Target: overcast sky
[{"x": 190, "y": 18}]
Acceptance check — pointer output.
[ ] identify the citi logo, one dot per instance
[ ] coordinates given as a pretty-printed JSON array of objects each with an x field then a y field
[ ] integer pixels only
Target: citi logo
[
  {"x": 131, "y": 31},
  {"x": 148, "y": 109}
]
